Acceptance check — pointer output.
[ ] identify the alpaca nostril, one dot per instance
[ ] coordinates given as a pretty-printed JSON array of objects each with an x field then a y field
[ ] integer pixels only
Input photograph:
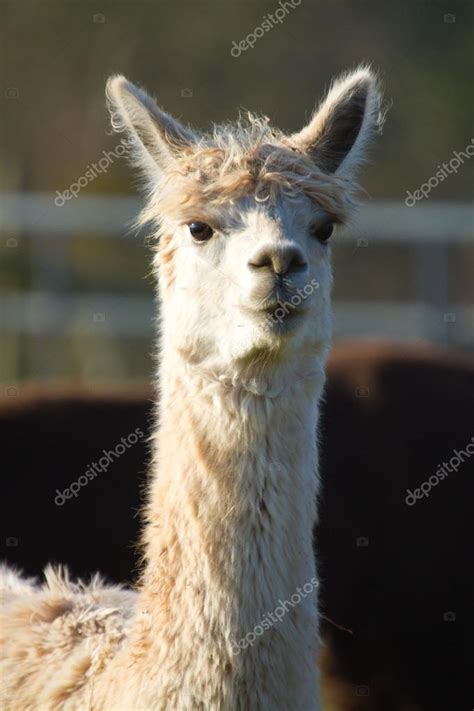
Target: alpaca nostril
[
  {"x": 280, "y": 260},
  {"x": 297, "y": 263},
  {"x": 260, "y": 261}
]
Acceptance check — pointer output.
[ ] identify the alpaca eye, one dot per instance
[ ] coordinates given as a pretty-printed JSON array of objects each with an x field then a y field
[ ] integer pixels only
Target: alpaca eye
[
  {"x": 200, "y": 231},
  {"x": 323, "y": 232}
]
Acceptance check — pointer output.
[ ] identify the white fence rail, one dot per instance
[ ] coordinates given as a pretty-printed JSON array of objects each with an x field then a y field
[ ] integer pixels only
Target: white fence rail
[
  {"x": 106, "y": 215},
  {"x": 433, "y": 227}
]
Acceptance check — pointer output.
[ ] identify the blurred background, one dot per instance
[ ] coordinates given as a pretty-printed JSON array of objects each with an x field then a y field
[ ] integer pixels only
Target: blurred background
[
  {"x": 76, "y": 295},
  {"x": 77, "y": 304}
]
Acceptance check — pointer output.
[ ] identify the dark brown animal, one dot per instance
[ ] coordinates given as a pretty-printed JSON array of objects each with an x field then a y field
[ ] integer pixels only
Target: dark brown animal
[
  {"x": 397, "y": 582},
  {"x": 399, "y": 576}
]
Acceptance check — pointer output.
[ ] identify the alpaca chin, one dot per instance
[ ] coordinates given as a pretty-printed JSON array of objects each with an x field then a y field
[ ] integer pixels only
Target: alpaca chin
[{"x": 255, "y": 350}]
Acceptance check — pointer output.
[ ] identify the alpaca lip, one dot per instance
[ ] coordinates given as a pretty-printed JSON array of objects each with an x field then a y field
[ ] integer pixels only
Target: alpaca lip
[
  {"x": 278, "y": 297},
  {"x": 269, "y": 308},
  {"x": 277, "y": 316},
  {"x": 275, "y": 306},
  {"x": 284, "y": 311},
  {"x": 287, "y": 306}
]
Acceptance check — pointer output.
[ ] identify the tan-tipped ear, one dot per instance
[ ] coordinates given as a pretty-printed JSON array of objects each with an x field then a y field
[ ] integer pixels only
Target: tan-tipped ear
[
  {"x": 341, "y": 128},
  {"x": 154, "y": 136}
]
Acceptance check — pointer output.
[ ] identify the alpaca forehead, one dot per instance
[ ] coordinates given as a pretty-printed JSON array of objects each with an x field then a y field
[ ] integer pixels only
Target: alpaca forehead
[
  {"x": 236, "y": 205},
  {"x": 278, "y": 217},
  {"x": 212, "y": 184},
  {"x": 269, "y": 171}
]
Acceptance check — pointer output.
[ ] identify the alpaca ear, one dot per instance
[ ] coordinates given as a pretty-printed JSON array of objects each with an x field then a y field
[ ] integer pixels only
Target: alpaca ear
[
  {"x": 343, "y": 125},
  {"x": 155, "y": 136}
]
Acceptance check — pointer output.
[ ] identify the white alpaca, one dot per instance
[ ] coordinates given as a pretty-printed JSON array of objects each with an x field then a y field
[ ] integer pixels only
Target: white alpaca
[{"x": 225, "y": 616}]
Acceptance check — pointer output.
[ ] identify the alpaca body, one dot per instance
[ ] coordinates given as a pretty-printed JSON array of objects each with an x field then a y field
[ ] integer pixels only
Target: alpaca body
[
  {"x": 227, "y": 523},
  {"x": 56, "y": 640},
  {"x": 243, "y": 218}
]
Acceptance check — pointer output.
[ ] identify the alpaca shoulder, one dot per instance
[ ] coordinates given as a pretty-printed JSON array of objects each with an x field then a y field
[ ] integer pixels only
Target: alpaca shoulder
[{"x": 73, "y": 628}]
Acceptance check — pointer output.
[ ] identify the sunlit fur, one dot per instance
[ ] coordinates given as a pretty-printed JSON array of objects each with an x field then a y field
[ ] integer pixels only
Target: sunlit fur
[{"x": 233, "y": 488}]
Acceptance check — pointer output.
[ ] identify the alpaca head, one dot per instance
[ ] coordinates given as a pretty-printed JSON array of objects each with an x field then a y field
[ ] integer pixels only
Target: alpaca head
[{"x": 245, "y": 217}]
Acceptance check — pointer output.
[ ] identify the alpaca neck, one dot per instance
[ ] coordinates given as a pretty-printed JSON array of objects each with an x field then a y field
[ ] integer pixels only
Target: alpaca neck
[{"x": 230, "y": 519}]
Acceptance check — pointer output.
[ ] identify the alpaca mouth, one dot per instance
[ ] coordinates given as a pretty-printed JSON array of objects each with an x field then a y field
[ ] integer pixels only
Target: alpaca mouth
[
  {"x": 279, "y": 302},
  {"x": 271, "y": 306},
  {"x": 283, "y": 317},
  {"x": 276, "y": 316}
]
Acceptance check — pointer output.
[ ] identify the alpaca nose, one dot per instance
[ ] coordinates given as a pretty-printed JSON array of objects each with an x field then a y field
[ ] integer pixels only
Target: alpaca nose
[{"x": 280, "y": 259}]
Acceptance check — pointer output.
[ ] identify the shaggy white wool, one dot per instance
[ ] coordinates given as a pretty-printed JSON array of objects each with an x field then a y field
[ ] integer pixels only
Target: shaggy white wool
[{"x": 232, "y": 498}]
